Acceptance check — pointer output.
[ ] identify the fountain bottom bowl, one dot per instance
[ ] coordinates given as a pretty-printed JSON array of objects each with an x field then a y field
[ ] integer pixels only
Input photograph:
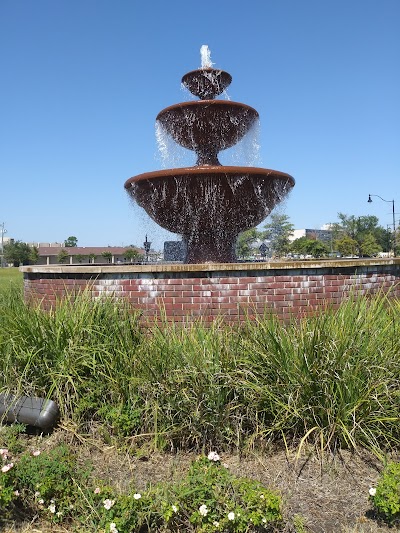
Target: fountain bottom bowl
[{"x": 209, "y": 205}]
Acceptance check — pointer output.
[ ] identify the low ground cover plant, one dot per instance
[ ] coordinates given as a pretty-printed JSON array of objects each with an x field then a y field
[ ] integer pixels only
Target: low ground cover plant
[
  {"x": 385, "y": 496},
  {"x": 52, "y": 485}
]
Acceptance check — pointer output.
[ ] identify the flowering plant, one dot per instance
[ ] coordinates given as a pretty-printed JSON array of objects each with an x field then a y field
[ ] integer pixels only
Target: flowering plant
[{"x": 385, "y": 496}]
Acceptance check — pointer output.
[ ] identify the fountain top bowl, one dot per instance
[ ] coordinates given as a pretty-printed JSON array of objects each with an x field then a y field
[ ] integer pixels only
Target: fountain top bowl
[{"x": 206, "y": 83}]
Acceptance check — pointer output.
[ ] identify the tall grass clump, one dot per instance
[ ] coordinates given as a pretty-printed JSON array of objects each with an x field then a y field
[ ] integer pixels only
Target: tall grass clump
[
  {"x": 186, "y": 377},
  {"x": 332, "y": 378}
]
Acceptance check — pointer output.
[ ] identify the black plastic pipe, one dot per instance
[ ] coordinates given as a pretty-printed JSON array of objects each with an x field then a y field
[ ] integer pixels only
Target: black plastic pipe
[{"x": 36, "y": 412}]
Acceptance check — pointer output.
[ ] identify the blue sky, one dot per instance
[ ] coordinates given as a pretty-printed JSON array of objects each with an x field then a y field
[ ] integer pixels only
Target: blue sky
[{"x": 81, "y": 82}]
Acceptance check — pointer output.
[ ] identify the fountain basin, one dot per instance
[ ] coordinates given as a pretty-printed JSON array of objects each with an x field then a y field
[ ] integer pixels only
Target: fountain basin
[{"x": 209, "y": 205}]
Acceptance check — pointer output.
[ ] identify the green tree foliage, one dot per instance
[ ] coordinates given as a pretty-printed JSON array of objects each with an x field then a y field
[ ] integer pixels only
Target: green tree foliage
[
  {"x": 62, "y": 256},
  {"x": 346, "y": 245},
  {"x": 18, "y": 253},
  {"x": 360, "y": 230},
  {"x": 369, "y": 247},
  {"x": 278, "y": 231},
  {"x": 107, "y": 256},
  {"x": 71, "y": 242},
  {"x": 132, "y": 254},
  {"x": 34, "y": 255},
  {"x": 245, "y": 241},
  {"x": 305, "y": 246}
]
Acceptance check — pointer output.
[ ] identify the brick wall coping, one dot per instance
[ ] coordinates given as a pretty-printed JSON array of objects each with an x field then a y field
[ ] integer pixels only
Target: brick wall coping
[{"x": 209, "y": 267}]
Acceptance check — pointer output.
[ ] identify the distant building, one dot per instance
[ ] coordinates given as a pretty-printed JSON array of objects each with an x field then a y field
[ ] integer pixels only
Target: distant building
[
  {"x": 50, "y": 254},
  {"x": 324, "y": 235},
  {"x": 46, "y": 244}
]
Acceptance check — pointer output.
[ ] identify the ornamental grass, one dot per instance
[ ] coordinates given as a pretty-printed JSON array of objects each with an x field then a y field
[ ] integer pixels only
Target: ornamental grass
[{"x": 331, "y": 379}]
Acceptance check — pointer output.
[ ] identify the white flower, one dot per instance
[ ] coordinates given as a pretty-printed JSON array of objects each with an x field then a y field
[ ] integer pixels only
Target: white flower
[
  {"x": 52, "y": 508},
  {"x": 41, "y": 501},
  {"x": 175, "y": 508},
  {"x": 264, "y": 520},
  {"x": 97, "y": 490},
  {"x": 137, "y": 496},
  {"x": 113, "y": 528},
  {"x": 231, "y": 516},
  {"x": 108, "y": 503},
  {"x": 4, "y": 453},
  {"x": 37, "y": 494},
  {"x": 36, "y": 453},
  {"x": 215, "y": 523},
  {"x": 203, "y": 510},
  {"x": 213, "y": 456},
  {"x": 262, "y": 496},
  {"x": 8, "y": 467},
  {"x": 16, "y": 492},
  {"x": 372, "y": 491}
]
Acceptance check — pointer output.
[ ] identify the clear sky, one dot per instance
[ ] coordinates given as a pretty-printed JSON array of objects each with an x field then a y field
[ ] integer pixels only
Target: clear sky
[{"x": 81, "y": 82}]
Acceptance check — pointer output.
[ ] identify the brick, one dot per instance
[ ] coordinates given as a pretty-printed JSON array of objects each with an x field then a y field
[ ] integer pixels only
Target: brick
[{"x": 184, "y": 300}]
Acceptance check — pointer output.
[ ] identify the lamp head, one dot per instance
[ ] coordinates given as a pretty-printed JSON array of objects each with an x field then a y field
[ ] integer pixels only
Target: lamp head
[{"x": 369, "y": 199}]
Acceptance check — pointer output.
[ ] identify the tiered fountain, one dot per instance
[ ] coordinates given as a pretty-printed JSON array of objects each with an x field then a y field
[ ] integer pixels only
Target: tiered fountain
[{"x": 208, "y": 204}]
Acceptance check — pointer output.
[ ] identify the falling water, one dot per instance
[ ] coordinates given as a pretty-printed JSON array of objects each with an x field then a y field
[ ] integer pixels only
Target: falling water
[
  {"x": 246, "y": 152},
  {"x": 171, "y": 154}
]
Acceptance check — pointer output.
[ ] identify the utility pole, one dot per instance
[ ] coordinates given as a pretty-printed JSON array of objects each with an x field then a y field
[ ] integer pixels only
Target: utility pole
[{"x": 2, "y": 231}]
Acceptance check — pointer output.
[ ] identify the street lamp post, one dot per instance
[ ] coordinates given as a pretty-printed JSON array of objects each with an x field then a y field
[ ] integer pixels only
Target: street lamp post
[
  {"x": 394, "y": 220},
  {"x": 147, "y": 246}
]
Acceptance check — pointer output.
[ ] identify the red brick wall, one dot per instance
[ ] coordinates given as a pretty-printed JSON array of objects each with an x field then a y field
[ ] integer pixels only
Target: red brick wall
[{"x": 181, "y": 294}]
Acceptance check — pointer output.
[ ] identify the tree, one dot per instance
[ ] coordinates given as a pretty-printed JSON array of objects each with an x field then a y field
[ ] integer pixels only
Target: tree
[
  {"x": 62, "y": 256},
  {"x": 346, "y": 245},
  {"x": 306, "y": 246},
  {"x": 71, "y": 242},
  {"x": 245, "y": 241},
  {"x": 92, "y": 258},
  {"x": 132, "y": 254},
  {"x": 107, "y": 255},
  {"x": 17, "y": 252},
  {"x": 358, "y": 229},
  {"x": 79, "y": 258},
  {"x": 369, "y": 247},
  {"x": 278, "y": 231},
  {"x": 34, "y": 255}
]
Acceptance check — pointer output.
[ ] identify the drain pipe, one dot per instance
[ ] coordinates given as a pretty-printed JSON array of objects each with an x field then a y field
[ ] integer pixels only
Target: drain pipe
[{"x": 36, "y": 412}]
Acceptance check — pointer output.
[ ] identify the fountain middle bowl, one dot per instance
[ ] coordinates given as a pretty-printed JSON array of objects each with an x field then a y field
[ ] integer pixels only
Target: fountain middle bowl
[{"x": 197, "y": 124}]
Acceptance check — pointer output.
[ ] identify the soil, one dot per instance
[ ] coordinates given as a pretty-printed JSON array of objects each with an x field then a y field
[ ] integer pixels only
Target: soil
[{"x": 325, "y": 493}]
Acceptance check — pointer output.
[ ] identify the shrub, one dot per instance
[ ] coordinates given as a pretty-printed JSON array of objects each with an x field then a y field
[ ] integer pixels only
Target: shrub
[
  {"x": 43, "y": 483},
  {"x": 386, "y": 496}
]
